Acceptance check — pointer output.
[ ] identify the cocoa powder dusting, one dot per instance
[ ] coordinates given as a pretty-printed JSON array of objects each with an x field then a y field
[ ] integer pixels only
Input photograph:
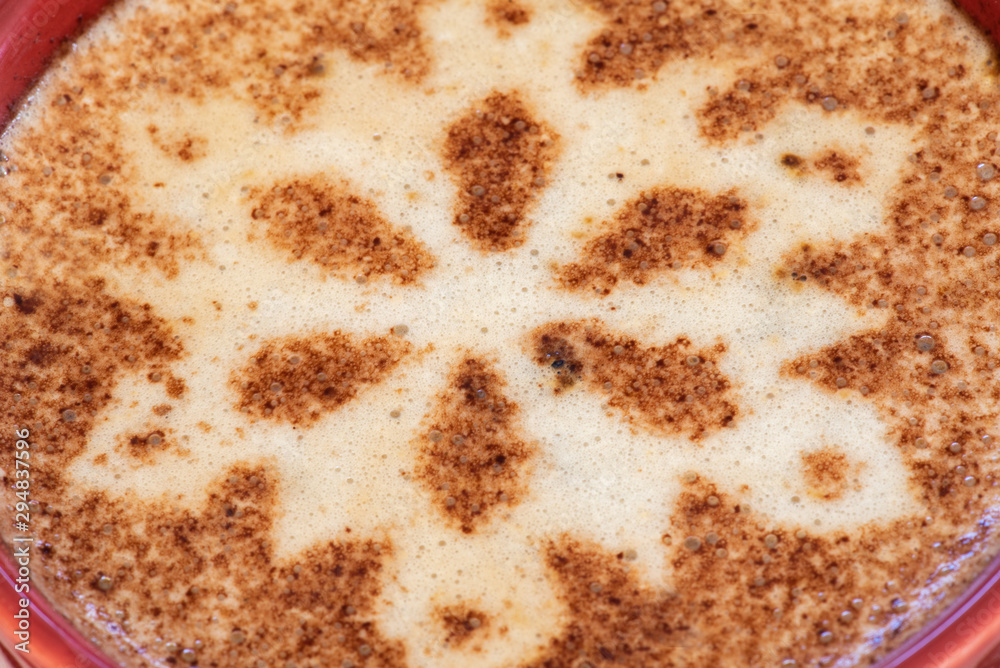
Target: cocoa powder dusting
[
  {"x": 499, "y": 156},
  {"x": 210, "y": 580},
  {"x": 790, "y": 595},
  {"x": 838, "y": 167},
  {"x": 463, "y": 624},
  {"x": 672, "y": 389},
  {"x": 833, "y": 164},
  {"x": 504, "y": 14},
  {"x": 324, "y": 221},
  {"x": 65, "y": 348},
  {"x": 298, "y": 379},
  {"x": 825, "y": 472},
  {"x": 472, "y": 455},
  {"x": 661, "y": 230},
  {"x": 146, "y": 447}
]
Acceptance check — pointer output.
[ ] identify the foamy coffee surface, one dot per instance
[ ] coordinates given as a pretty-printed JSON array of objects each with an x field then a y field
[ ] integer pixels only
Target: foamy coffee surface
[{"x": 448, "y": 333}]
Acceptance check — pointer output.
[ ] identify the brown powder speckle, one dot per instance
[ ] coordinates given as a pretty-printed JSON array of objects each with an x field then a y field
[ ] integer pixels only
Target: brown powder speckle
[
  {"x": 792, "y": 161},
  {"x": 265, "y": 54},
  {"x": 825, "y": 472},
  {"x": 186, "y": 147},
  {"x": 838, "y": 166},
  {"x": 179, "y": 568},
  {"x": 463, "y": 624},
  {"x": 472, "y": 455},
  {"x": 499, "y": 155},
  {"x": 826, "y": 61},
  {"x": 326, "y": 222},
  {"x": 506, "y": 13},
  {"x": 144, "y": 448},
  {"x": 175, "y": 387},
  {"x": 662, "y": 229},
  {"x": 64, "y": 356},
  {"x": 639, "y": 38},
  {"x": 782, "y": 586},
  {"x": 86, "y": 215},
  {"x": 297, "y": 379},
  {"x": 674, "y": 388},
  {"x": 835, "y": 165}
]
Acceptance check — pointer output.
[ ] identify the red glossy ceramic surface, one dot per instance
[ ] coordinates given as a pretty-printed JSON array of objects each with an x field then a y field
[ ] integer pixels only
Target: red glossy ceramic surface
[{"x": 967, "y": 635}]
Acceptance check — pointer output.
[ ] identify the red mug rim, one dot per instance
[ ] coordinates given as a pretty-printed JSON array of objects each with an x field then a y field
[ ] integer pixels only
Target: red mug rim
[{"x": 966, "y": 634}]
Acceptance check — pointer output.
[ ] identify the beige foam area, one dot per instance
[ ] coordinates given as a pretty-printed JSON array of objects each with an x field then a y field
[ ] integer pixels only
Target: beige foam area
[{"x": 596, "y": 475}]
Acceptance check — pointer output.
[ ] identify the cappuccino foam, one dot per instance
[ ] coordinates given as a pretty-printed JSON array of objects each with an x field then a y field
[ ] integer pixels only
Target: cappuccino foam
[{"x": 516, "y": 334}]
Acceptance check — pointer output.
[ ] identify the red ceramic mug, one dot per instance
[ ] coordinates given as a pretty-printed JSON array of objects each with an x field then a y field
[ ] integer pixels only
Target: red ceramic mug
[{"x": 965, "y": 635}]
